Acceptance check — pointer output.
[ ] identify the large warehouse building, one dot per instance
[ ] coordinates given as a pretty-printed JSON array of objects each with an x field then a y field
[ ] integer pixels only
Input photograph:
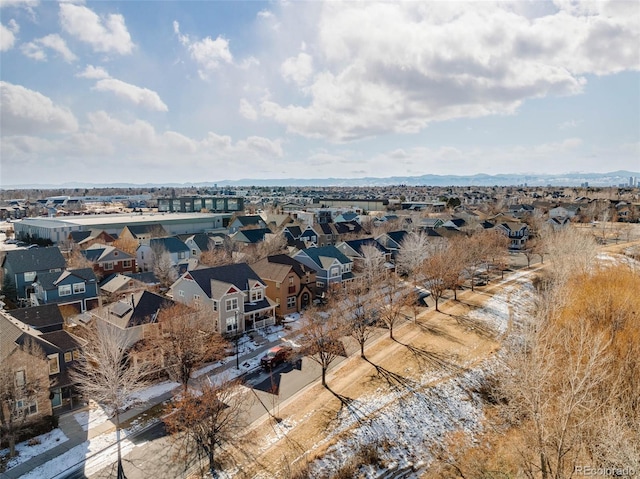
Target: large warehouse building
[{"x": 57, "y": 229}]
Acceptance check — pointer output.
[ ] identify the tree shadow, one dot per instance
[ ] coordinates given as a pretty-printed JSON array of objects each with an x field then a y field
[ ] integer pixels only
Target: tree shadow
[
  {"x": 439, "y": 361},
  {"x": 478, "y": 326},
  {"x": 348, "y": 404},
  {"x": 438, "y": 332},
  {"x": 394, "y": 380}
]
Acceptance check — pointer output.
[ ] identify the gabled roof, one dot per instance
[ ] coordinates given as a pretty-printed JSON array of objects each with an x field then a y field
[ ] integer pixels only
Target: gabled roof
[
  {"x": 169, "y": 243},
  {"x": 49, "y": 281},
  {"x": 299, "y": 268},
  {"x": 34, "y": 259},
  {"x": 46, "y": 317},
  {"x": 346, "y": 227},
  {"x": 237, "y": 275},
  {"x": 249, "y": 220},
  {"x": 100, "y": 253},
  {"x": 202, "y": 241},
  {"x": 142, "y": 308},
  {"x": 140, "y": 230},
  {"x": 62, "y": 340},
  {"x": 148, "y": 277},
  {"x": 79, "y": 236},
  {"x": 293, "y": 230},
  {"x": 357, "y": 245},
  {"x": 398, "y": 236},
  {"x": 251, "y": 236},
  {"x": 325, "y": 255}
]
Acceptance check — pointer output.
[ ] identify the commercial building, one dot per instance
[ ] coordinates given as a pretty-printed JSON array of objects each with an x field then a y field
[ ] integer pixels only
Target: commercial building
[{"x": 58, "y": 229}]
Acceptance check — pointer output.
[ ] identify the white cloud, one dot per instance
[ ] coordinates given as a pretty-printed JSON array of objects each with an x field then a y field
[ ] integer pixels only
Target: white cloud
[
  {"x": 36, "y": 48},
  {"x": 94, "y": 73},
  {"x": 26, "y": 111},
  {"x": 7, "y": 37},
  {"x": 108, "y": 34},
  {"x": 247, "y": 110},
  {"x": 569, "y": 124},
  {"x": 385, "y": 67},
  {"x": 207, "y": 53},
  {"x": 19, "y": 3},
  {"x": 298, "y": 69},
  {"x": 140, "y": 96}
]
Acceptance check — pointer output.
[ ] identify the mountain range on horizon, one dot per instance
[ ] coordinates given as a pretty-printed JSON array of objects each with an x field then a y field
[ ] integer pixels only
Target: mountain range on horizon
[{"x": 615, "y": 178}]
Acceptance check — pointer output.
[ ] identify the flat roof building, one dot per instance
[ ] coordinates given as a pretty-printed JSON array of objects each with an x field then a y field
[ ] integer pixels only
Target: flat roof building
[{"x": 58, "y": 229}]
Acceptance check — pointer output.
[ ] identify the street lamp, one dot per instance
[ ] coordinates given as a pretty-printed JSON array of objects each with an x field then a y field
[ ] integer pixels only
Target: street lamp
[{"x": 237, "y": 347}]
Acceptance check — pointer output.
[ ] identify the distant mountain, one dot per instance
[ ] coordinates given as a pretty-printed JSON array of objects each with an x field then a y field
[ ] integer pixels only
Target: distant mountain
[{"x": 614, "y": 178}]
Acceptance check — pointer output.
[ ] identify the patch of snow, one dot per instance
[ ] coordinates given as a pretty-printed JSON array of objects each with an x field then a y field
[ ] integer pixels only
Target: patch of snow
[{"x": 25, "y": 452}]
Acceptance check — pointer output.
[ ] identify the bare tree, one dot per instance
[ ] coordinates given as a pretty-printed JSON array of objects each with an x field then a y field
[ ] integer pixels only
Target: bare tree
[
  {"x": 187, "y": 340},
  {"x": 128, "y": 245},
  {"x": 371, "y": 264},
  {"x": 413, "y": 251},
  {"x": 321, "y": 332},
  {"x": 15, "y": 391},
  {"x": 437, "y": 275},
  {"x": 392, "y": 298},
  {"x": 204, "y": 421},
  {"x": 163, "y": 266},
  {"x": 359, "y": 314},
  {"x": 105, "y": 373}
]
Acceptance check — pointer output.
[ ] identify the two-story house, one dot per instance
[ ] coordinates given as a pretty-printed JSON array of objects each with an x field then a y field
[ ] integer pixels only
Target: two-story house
[
  {"x": 392, "y": 241},
  {"x": 76, "y": 287},
  {"x": 357, "y": 250},
  {"x": 142, "y": 233},
  {"x": 247, "y": 221},
  {"x": 234, "y": 294},
  {"x": 290, "y": 284},
  {"x": 518, "y": 234},
  {"x": 109, "y": 260},
  {"x": 332, "y": 267},
  {"x": 21, "y": 266},
  {"x": 179, "y": 253}
]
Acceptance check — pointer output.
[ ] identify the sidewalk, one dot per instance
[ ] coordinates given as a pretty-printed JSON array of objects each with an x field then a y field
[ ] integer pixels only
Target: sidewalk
[{"x": 77, "y": 435}]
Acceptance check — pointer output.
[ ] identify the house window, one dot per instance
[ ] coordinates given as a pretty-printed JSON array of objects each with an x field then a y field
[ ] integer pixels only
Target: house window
[
  {"x": 30, "y": 276},
  {"x": 54, "y": 364},
  {"x": 256, "y": 295},
  {"x": 26, "y": 407},
  {"x": 290, "y": 280},
  {"x": 20, "y": 378},
  {"x": 232, "y": 324},
  {"x": 108, "y": 266},
  {"x": 67, "y": 357},
  {"x": 181, "y": 255},
  {"x": 64, "y": 290},
  {"x": 181, "y": 293},
  {"x": 320, "y": 284},
  {"x": 78, "y": 288},
  {"x": 76, "y": 354},
  {"x": 291, "y": 302},
  {"x": 215, "y": 305},
  {"x": 196, "y": 298},
  {"x": 194, "y": 252},
  {"x": 126, "y": 263},
  {"x": 277, "y": 285},
  {"x": 232, "y": 304}
]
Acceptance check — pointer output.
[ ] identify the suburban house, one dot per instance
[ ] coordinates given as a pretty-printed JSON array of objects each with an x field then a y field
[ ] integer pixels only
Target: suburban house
[
  {"x": 355, "y": 250},
  {"x": 178, "y": 252},
  {"x": 21, "y": 266},
  {"x": 558, "y": 223},
  {"x": 332, "y": 267},
  {"x": 292, "y": 234},
  {"x": 108, "y": 260},
  {"x": 117, "y": 285},
  {"x": 28, "y": 367},
  {"x": 247, "y": 221},
  {"x": 46, "y": 357},
  {"x": 235, "y": 295},
  {"x": 197, "y": 244},
  {"x": 45, "y": 318},
  {"x": 250, "y": 236},
  {"x": 392, "y": 241},
  {"x": 76, "y": 287},
  {"x": 136, "y": 313},
  {"x": 84, "y": 239},
  {"x": 142, "y": 233},
  {"x": 290, "y": 284},
  {"x": 518, "y": 233}
]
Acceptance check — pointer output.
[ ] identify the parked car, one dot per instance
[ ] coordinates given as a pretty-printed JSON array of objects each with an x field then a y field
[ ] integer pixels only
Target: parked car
[{"x": 276, "y": 355}]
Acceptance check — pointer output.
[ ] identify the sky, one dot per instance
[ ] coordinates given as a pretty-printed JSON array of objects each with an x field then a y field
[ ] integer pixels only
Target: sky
[{"x": 194, "y": 91}]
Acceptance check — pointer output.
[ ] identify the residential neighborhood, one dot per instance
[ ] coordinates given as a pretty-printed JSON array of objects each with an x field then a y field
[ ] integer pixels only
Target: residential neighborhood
[{"x": 244, "y": 273}]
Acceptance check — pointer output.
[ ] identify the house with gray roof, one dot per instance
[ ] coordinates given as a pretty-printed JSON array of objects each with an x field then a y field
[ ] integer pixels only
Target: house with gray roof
[
  {"x": 178, "y": 252},
  {"x": 233, "y": 294},
  {"x": 332, "y": 267},
  {"x": 74, "y": 287},
  {"x": 20, "y": 267},
  {"x": 107, "y": 260},
  {"x": 246, "y": 221},
  {"x": 44, "y": 318}
]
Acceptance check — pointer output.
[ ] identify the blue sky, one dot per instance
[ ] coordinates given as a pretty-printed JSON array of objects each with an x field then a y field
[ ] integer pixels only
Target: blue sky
[{"x": 190, "y": 91}]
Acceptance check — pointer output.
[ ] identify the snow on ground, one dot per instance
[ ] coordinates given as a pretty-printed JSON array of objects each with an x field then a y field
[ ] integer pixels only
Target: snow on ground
[
  {"x": 98, "y": 453},
  {"x": 95, "y": 416},
  {"x": 408, "y": 422},
  {"x": 153, "y": 391},
  {"x": 44, "y": 442}
]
